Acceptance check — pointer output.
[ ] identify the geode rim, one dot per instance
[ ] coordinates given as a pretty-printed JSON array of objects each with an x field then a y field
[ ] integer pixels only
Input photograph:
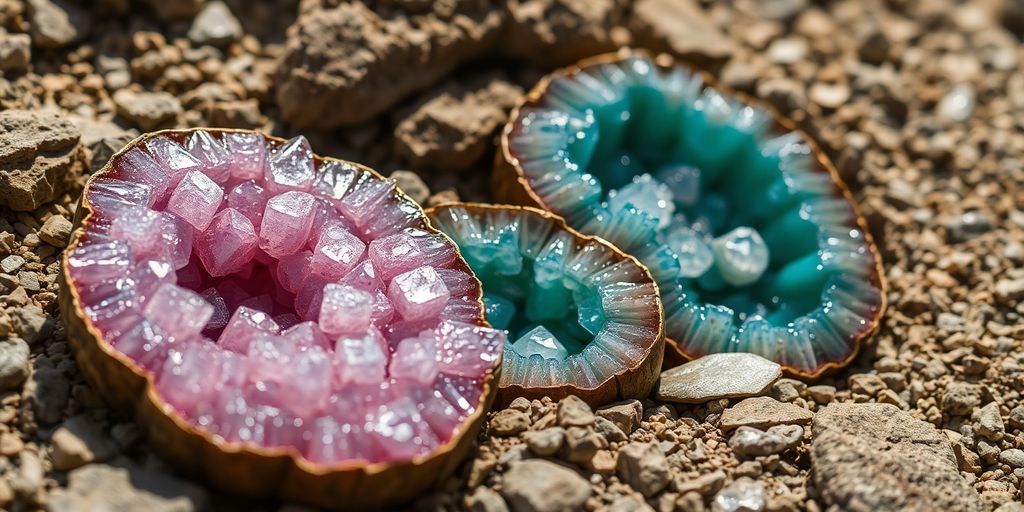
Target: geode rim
[
  {"x": 244, "y": 467},
  {"x": 636, "y": 382},
  {"x": 512, "y": 185}
]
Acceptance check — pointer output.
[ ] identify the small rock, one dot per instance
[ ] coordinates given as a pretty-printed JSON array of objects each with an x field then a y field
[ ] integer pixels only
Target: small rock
[
  {"x": 509, "y": 422},
  {"x": 625, "y": 415},
  {"x": 960, "y": 398},
  {"x": 39, "y": 157},
  {"x": 958, "y": 104},
  {"x": 29, "y": 479},
  {"x": 763, "y": 412},
  {"x": 829, "y": 95},
  {"x": 866, "y": 384},
  {"x": 753, "y": 442},
  {"x": 787, "y": 390},
  {"x": 14, "y": 367},
  {"x": 146, "y": 109},
  {"x": 874, "y": 47},
  {"x": 15, "y": 51},
  {"x": 581, "y": 444},
  {"x": 706, "y": 484},
  {"x": 715, "y": 376},
  {"x": 876, "y": 457},
  {"x": 413, "y": 186},
  {"x": 124, "y": 486},
  {"x": 537, "y": 485},
  {"x": 1016, "y": 418},
  {"x": 57, "y": 23},
  {"x": 788, "y": 50},
  {"x": 574, "y": 412},
  {"x": 1014, "y": 457},
  {"x": 743, "y": 495},
  {"x": 486, "y": 500},
  {"x": 55, "y": 231},
  {"x": 31, "y": 323},
  {"x": 608, "y": 430},
  {"x": 545, "y": 442},
  {"x": 101, "y": 139},
  {"x": 680, "y": 27},
  {"x": 822, "y": 394},
  {"x": 1008, "y": 290},
  {"x": 80, "y": 441},
  {"x": 12, "y": 263},
  {"x": 990, "y": 423},
  {"x": 215, "y": 25},
  {"x": 644, "y": 467}
]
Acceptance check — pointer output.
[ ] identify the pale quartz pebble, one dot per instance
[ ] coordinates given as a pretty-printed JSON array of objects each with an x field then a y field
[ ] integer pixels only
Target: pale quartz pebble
[
  {"x": 714, "y": 376},
  {"x": 136, "y": 166},
  {"x": 228, "y": 244},
  {"x": 179, "y": 312},
  {"x": 286, "y": 223},
  {"x": 741, "y": 256},
  {"x": 100, "y": 262},
  {"x": 336, "y": 253},
  {"x": 173, "y": 157},
  {"x": 361, "y": 358},
  {"x": 249, "y": 155},
  {"x": 250, "y": 200},
  {"x": 415, "y": 360},
  {"x": 216, "y": 158},
  {"x": 395, "y": 254},
  {"x": 418, "y": 294},
  {"x": 245, "y": 325},
  {"x": 958, "y": 104},
  {"x": 290, "y": 167},
  {"x": 196, "y": 199},
  {"x": 345, "y": 309}
]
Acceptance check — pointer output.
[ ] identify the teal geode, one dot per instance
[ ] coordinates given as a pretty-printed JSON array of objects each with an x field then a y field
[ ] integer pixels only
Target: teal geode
[
  {"x": 582, "y": 317},
  {"x": 743, "y": 222}
]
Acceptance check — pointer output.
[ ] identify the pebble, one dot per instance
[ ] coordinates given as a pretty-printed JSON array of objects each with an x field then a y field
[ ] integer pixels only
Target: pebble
[
  {"x": 11, "y": 263},
  {"x": 742, "y": 495},
  {"x": 1009, "y": 290},
  {"x": 763, "y": 412},
  {"x": 215, "y": 25},
  {"x": 960, "y": 398},
  {"x": 80, "y": 441},
  {"x": 55, "y": 231},
  {"x": 705, "y": 484},
  {"x": 1014, "y": 457},
  {"x": 15, "y": 51},
  {"x": 581, "y": 444},
  {"x": 32, "y": 323},
  {"x": 574, "y": 412},
  {"x": 125, "y": 486},
  {"x": 990, "y": 423},
  {"x": 537, "y": 485},
  {"x": 545, "y": 442},
  {"x": 829, "y": 95},
  {"x": 509, "y": 422},
  {"x": 14, "y": 366},
  {"x": 608, "y": 430},
  {"x": 754, "y": 442},
  {"x": 644, "y": 467},
  {"x": 147, "y": 110},
  {"x": 822, "y": 393},
  {"x": 958, "y": 104},
  {"x": 625, "y": 415},
  {"x": 486, "y": 500},
  {"x": 715, "y": 376},
  {"x": 413, "y": 186},
  {"x": 57, "y": 23},
  {"x": 788, "y": 50},
  {"x": 866, "y": 384}
]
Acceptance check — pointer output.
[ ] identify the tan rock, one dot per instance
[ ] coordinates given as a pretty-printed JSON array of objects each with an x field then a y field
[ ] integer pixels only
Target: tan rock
[{"x": 39, "y": 156}]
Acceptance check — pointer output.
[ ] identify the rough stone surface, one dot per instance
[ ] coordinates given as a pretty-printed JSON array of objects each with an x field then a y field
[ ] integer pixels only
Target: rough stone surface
[
  {"x": 541, "y": 486},
  {"x": 14, "y": 368},
  {"x": 717, "y": 376},
  {"x": 39, "y": 156},
  {"x": 625, "y": 415},
  {"x": 876, "y": 457},
  {"x": 57, "y": 23},
  {"x": 147, "y": 110},
  {"x": 643, "y": 466},
  {"x": 55, "y": 231},
  {"x": 764, "y": 412},
  {"x": 557, "y": 32},
  {"x": 681, "y": 28},
  {"x": 509, "y": 422},
  {"x": 574, "y": 412},
  {"x": 124, "y": 486},
  {"x": 15, "y": 51}
]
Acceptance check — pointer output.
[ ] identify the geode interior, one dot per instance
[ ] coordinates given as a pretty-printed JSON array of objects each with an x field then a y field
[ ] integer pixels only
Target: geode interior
[
  {"x": 283, "y": 300},
  {"x": 750, "y": 237},
  {"x": 579, "y": 315}
]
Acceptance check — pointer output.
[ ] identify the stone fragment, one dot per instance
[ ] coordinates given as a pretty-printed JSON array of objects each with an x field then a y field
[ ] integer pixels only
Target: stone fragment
[
  {"x": 866, "y": 384},
  {"x": 14, "y": 368},
  {"x": 753, "y": 442},
  {"x": 215, "y": 25},
  {"x": 1013, "y": 457},
  {"x": 344, "y": 65},
  {"x": 450, "y": 128},
  {"x": 960, "y": 398},
  {"x": 763, "y": 412},
  {"x": 644, "y": 467},
  {"x": 55, "y": 231},
  {"x": 990, "y": 423},
  {"x": 540, "y": 486},
  {"x": 876, "y": 457},
  {"x": 681, "y": 28},
  {"x": 557, "y": 32},
  {"x": 147, "y": 110},
  {"x": 545, "y": 442},
  {"x": 608, "y": 430},
  {"x": 80, "y": 441},
  {"x": 705, "y": 484},
  {"x": 15, "y": 51},
  {"x": 39, "y": 156},
  {"x": 125, "y": 486},
  {"x": 625, "y": 415},
  {"x": 57, "y": 23},
  {"x": 413, "y": 186},
  {"x": 509, "y": 422},
  {"x": 574, "y": 412},
  {"x": 715, "y": 376}
]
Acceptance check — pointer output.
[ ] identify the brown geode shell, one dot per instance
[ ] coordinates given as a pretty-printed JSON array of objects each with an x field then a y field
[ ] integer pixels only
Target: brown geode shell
[{"x": 244, "y": 468}]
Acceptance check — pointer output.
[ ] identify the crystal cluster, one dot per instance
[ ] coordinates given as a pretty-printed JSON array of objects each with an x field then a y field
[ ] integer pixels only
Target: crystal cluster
[
  {"x": 576, "y": 313},
  {"x": 752, "y": 243},
  {"x": 281, "y": 300}
]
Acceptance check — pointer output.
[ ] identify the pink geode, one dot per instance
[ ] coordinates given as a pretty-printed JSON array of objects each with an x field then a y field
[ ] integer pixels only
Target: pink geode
[{"x": 260, "y": 285}]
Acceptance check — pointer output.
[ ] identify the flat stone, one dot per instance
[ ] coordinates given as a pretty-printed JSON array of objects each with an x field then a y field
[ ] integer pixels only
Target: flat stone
[
  {"x": 32, "y": 323},
  {"x": 39, "y": 156},
  {"x": 15, "y": 51},
  {"x": 146, "y": 109},
  {"x": 537, "y": 485},
  {"x": 681, "y": 28},
  {"x": 14, "y": 368},
  {"x": 625, "y": 415},
  {"x": 876, "y": 457},
  {"x": 125, "y": 486},
  {"x": 714, "y": 376},
  {"x": 11, "y": 263},
  {"x": 80, "y": 441},
  {"x": 55, "y": 231},
  {"x": 644, "y": 467},
  {"x": 763, "y": 412},
  {"x": 57, "y": 23}
]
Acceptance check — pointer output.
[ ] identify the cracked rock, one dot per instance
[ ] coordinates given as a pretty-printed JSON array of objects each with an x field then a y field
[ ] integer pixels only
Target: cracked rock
[
  {"x": 39, "y": 156},
  {"x": 558, "y": 32}
]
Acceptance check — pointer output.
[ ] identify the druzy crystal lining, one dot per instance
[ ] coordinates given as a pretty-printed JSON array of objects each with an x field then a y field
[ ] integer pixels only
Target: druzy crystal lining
[
  {"x": 282, "y": 300},
  {"x": 579, "y": 315},
  {"x": 753, "y": 243}
]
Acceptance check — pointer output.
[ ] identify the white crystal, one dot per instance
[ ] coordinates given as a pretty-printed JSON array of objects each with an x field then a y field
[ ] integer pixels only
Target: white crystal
[
  {"x": 646, "y": 194},
  {"x": 540, "y": 341},
  {"x": 741, "y": 256},
  {"x": 695, "y": 257}
]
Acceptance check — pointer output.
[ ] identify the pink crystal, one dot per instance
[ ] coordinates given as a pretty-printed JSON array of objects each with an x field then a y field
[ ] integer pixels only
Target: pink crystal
[
  {"x": 364, "y": 200},
  {"x": 395, "y": 254},
  {"x": 179, "y": 312},
  {"x": 99, "y": 262},
  {"x": 293, "y": 269},
  {"x": 286, "y": 223},
  {"x": 173, "y": 158},
  {"x": 249, "y": 154},
  {"x": 216, "y": 158},
  {"x": 345, "y": 309},
  {"x": 136, "y": 166},
  {"x": 228, "y": 244},
  {"x": 126, "y": 192},
  {"x": 146, "y": 343},
  {"x": 184, "y": 379},
  {"x": 221, "y": 314},
  {"x": 399, "y": 430},
  {"x": 337, "y": 253},
  {"x": 415, "y": 360},
  {"x": 468, "y": 350},
  {"x": 245, "y": 325},
  {"x": 196, "y": 199},
  {"x": 289, "y": 378},
  {"x": 250, "y": 199},
  {"x": 306, "y": 334},
  {"x": 364, "y": 277},
  {"x": 291, "y": 167},
  {"x": 418, "y": 294},
  {"x": 361, "y": 358}
]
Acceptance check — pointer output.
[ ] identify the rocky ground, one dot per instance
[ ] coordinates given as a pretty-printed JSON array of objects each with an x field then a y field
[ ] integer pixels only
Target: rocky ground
[{"x": 920, "y": 104}]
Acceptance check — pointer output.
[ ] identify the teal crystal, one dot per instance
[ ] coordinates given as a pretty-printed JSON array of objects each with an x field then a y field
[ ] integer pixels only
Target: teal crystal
[
  {"x": 752, "y": 243},
  {"x": 576, "y": 313}
]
